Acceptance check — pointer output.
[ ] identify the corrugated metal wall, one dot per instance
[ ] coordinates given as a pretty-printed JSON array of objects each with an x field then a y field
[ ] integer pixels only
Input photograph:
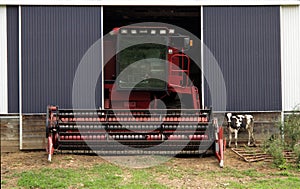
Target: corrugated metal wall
[
  {"x": 13, "y": 58},
  {"x": 3, "y": 61},
  {"x": 290, "y": 33},
  {"x": 246, "y": 43},
  {"x": 244, "y": 40},
  {"x": 54, "y": 40}
]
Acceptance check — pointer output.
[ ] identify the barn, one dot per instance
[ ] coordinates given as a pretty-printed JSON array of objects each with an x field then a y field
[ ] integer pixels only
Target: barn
[{"x": 255, "y": 45}]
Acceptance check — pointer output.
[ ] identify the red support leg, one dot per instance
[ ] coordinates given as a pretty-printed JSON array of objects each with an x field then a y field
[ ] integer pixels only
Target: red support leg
[
  {"x": 221, "y": 146},
  {"x": 50, "y": 148}
]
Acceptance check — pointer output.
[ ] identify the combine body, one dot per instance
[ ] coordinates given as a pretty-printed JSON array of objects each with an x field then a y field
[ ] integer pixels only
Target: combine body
[
  {"x": 152, "y": 65},
  {"x": 132, "y": 121}
]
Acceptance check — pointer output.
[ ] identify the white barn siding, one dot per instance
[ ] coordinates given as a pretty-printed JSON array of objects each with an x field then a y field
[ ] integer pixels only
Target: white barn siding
[
  {"x": 290, "y": 47},
  {"x": 3, "y": 61}
]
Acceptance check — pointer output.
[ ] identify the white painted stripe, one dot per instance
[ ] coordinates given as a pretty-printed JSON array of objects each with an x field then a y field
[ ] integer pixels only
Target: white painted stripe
[
  {"x": 20, "y": 78},
  {"x": 102, "y": 59},
  {"x": 9, "y": 117},
  {"x": 3, "y": 62},
  {"x": 202, "y": 56},
  {"x": 153, "y": 2},
  {"x": 282, "y": 71}
]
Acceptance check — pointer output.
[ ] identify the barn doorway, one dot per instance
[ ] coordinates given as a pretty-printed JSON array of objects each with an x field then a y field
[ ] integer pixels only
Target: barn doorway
[{"x": 186, "y": 17}]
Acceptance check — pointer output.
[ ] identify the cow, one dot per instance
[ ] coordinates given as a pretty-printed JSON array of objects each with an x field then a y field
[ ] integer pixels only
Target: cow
[{"x": 237, "y": 121}]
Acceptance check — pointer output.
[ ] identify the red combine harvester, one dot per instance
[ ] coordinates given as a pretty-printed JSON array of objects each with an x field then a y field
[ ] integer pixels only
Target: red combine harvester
[{"x": 150, "y": 67}]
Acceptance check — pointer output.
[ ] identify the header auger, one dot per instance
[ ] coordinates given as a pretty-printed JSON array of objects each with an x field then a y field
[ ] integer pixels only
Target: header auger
[{"x": 117, "y": 132}]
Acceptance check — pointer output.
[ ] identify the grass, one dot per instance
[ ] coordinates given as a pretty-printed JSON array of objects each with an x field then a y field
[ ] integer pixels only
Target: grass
[
  {"x": 103, "y": 176},
  {"x": 3, "y": 182},
  {"x": 171, "y": 172},
  {"x": 282, "y": 183},
  {"x": 230, "y": 172},
  {"x": 168, "y": 175},
  {"x": 180, "y": 172},
  {"x": 100, "y": 176},
  {"x": 142, "y": 178},
  {"x": 284, "y": 173}
]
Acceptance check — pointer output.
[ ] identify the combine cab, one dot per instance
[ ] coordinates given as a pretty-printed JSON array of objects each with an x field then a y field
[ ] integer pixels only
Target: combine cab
[{"x": 132, "y": 122}]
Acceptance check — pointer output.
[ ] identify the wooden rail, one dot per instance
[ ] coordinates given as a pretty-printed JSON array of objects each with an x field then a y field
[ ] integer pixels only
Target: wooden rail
[{"x": 253, "y": 155}]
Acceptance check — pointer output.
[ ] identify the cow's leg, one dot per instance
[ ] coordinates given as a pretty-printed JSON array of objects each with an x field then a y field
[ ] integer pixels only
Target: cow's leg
[
  {"x": 249, "y": 136},
  {"x": 235, "y": 137},
  {"x": 230, "y": 137},
  {"x": 252, "y": 137}
]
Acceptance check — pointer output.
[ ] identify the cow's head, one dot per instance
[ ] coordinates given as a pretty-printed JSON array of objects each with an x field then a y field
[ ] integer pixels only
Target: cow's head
[
  {"x": 249, "y": 118},
  {"x": 240, "y": 117},
  {"x": 228, "y": 117}
]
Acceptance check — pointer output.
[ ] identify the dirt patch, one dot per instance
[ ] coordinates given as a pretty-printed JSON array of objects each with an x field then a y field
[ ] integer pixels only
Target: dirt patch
[
  {"x": 205, "y": 172},
  {"x": 12, "y": 163},
  {"x": 22, "y": 161}
]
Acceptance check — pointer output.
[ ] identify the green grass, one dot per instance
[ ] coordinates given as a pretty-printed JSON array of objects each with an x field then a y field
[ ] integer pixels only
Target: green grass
[
  {"x": 180, "y": 172},
  {"x": 108, "y": 175},
  {"x": 3, "y": 182},
  {"x": 282, "y": 183},
  {"x": 104, "y": 176},
  {"x": 281, "y": 179},
  {"x": 142, "y": 178},
  {"x": 100, "y": 176},
  {"x": 252, "y": 173},
  {"x": 171, "y": 172},
  {"x": 284, "y": 173},
  {"x": 231, "y": 172}
]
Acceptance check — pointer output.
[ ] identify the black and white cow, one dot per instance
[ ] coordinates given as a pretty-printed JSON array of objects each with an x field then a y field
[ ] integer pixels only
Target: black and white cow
[{"x": 237, "y": 121}]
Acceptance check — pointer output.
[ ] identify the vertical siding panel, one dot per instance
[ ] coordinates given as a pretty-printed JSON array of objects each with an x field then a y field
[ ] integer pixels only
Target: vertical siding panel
[
  {"x": 54, "y": 39},
  {"x": 290, "y": 33},
  {"x": 3, "y": 61},
  {"x": 246, "y": 43},
  {"x": 13, "y": 58}
]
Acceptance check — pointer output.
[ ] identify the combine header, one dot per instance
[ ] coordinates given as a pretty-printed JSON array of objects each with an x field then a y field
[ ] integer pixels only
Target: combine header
[{"x": 135, "y": 124}]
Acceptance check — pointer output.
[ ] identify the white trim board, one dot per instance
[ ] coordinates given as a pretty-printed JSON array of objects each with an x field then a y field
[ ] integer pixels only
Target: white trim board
[
  {"x": 290, "y": 57},
  {"x": 102, "y": 60},
  {"x": 3, "y": 62},
  {"x": 20, "y": 79},
  {"x": 153, "y": 2}
]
